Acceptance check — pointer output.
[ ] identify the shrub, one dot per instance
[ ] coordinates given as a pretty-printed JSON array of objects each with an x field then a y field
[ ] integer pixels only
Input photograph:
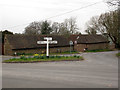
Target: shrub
[
  {"x": 66, "y": 56},
  {"x": 13, "y": 59},
  {"x": 23, "y": 57},
  {"x": 58, "y": 56},
  {"x": 74, "y": 56},
  {"x": 42, "y": 57},
  {"x": 36, "y": 54},
  {"x": 36, "y": 57},
  {"x": 78, "y": 56},
  {"x": 51, "y": 56}
]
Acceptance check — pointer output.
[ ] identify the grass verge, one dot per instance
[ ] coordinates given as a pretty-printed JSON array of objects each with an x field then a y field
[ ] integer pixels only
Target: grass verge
[
  {"x": 118, "y": 54},
  {"x": 99, "y": 50},
  {"x": 24, "y": 59},
  {"x": 57, "y": 53}
]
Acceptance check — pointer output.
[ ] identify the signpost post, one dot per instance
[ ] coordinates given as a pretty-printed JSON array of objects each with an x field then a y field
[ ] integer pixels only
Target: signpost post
[
  {"x": 49, "y": 41},
  {"x": 71, "y": 43}
]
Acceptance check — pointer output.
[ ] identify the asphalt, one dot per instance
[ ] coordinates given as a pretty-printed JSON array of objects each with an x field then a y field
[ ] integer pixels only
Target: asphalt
[{"x": 98, "y": 70}]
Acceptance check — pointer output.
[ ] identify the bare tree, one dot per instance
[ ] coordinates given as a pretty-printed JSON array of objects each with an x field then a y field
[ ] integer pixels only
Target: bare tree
[
  {"x": 110, "y": 23},
  {"x": 55, "y": 28},
  {"x": 113, "y": 2},
  {"x": 33, "y": 28},
  {"x": 69, "y": 26},
  {"x": 107, "y": 23},
  {"x": 92, "y": 25}
]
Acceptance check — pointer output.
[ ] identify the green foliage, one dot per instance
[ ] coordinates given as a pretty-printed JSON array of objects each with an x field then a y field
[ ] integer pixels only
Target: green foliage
[
  {"x": 98, "y": 50},
  {"x": 58, "y": 56},
  {"x": 118, "y": 54},
  {"x": 43, "y": 58},
  {"x": 74, "y": 56},
  {"x": 23, "y": 58},
  {"x": 13, "y": 59},
  {"x": 36, "y": 57},
  {"x": 19, "y": 54},
  {"x": 46, "y": 28},
  {"x": 51, "y": 56}
]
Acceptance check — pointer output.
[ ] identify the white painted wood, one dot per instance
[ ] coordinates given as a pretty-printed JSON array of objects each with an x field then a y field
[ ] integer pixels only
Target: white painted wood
[{"x": 49, "y": 41}]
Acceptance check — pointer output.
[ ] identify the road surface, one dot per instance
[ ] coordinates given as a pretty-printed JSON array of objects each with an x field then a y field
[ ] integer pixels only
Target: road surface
[{"x": 98, "y": 70}]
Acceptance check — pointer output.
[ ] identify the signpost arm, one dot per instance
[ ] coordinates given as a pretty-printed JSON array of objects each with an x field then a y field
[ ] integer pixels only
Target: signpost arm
[{"x": 49, "y": 41}]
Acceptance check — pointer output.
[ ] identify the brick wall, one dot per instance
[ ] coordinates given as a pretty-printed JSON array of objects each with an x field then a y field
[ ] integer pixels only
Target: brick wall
[
  {"x": 7, "y": 47},
  {"x": 42, "y": 50},
  {"x": 80, "y": 47}
]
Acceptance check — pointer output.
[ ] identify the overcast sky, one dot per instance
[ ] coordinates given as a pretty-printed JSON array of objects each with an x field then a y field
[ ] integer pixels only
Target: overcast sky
[{"x": 17, "y": 14}]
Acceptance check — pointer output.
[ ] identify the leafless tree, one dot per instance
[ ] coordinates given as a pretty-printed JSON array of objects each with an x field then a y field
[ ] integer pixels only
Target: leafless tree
[
  {"x": 110, "y": 23},
  {"x": 92, "y": 25},
  {"x": 106, "y": 23},
  {"x": 113, "y": 2},
  {"x": 33, "y": 28},
  {"x": 69, "y": 26}
]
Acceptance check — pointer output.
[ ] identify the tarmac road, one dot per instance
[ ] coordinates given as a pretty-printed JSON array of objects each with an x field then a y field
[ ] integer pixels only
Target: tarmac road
[{"x": 98, "y": 70}]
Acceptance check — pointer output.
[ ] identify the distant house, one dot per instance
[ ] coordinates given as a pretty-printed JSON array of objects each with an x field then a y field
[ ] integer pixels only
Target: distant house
[
  {"x": 89, "y": 42},
  {"x": 28, "y": 43}
]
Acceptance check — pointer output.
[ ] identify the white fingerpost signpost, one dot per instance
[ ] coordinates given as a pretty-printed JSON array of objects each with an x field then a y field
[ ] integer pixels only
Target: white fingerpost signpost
[{"x": 49, "y": 41}]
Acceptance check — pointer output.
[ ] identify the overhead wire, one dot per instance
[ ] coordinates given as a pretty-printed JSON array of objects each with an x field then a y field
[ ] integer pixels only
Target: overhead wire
[{"x": 61, "y": 14}]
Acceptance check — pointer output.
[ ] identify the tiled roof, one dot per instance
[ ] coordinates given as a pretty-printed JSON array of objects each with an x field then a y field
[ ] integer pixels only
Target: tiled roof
[
  {"x": 88, "y": 39},
  {"x": 30, "y": 41}
]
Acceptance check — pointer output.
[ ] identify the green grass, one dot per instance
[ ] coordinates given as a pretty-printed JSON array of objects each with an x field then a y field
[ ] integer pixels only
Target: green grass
[
  {"x": 24, "y": 59},
  {"x": 67, "y": 52},
  {"x": 99, "y": 50},
  {"x": 118, "y": 54},
  {"x": 59, "y": 53}
]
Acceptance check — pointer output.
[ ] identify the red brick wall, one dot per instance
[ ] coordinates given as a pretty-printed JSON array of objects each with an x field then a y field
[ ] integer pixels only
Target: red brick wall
[
  {"x": 7, "y": 48},
  {"x": 42, "y": 50},
  {"x": 80, "y": 47}
]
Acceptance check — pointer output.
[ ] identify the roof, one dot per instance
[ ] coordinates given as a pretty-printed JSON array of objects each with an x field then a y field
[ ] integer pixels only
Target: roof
[
  {"x": 30, "y": 41},
  {"x": 19, "y": 41},
  {"x": 88, "y": 39}
]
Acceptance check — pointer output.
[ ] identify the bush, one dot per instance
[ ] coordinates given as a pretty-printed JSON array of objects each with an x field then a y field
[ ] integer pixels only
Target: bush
[
  {"x": 23, "y": 57},
  {"x": 51, "y": 56},
  {"x": 13, "y": 59},
  {"x": 42, "y": 57},
  {"x": 36, "y": 57},
  {"x": 36, "y": 54},
  {"x": 58, "y": 56},
  {"x": 74, "y": 56},
  {"x": 66, "y": 56},
  {"x": 18, "y": 54},
  {"x": 98, "y": 50}
]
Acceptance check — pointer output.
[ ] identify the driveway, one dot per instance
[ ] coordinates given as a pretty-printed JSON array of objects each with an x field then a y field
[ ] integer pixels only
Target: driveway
[{"x": 98, "y": 70}]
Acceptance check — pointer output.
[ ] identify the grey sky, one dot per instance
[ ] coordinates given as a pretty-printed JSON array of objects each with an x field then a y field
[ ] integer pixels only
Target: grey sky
[{"x": 20, "y": 13}]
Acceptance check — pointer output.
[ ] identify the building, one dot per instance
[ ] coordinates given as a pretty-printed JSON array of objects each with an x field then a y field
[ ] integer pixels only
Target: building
[
  {"x": 28, "y": 43},
  {"x": 89, "y": 42},
  {"x": 2, "y": 35}
]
